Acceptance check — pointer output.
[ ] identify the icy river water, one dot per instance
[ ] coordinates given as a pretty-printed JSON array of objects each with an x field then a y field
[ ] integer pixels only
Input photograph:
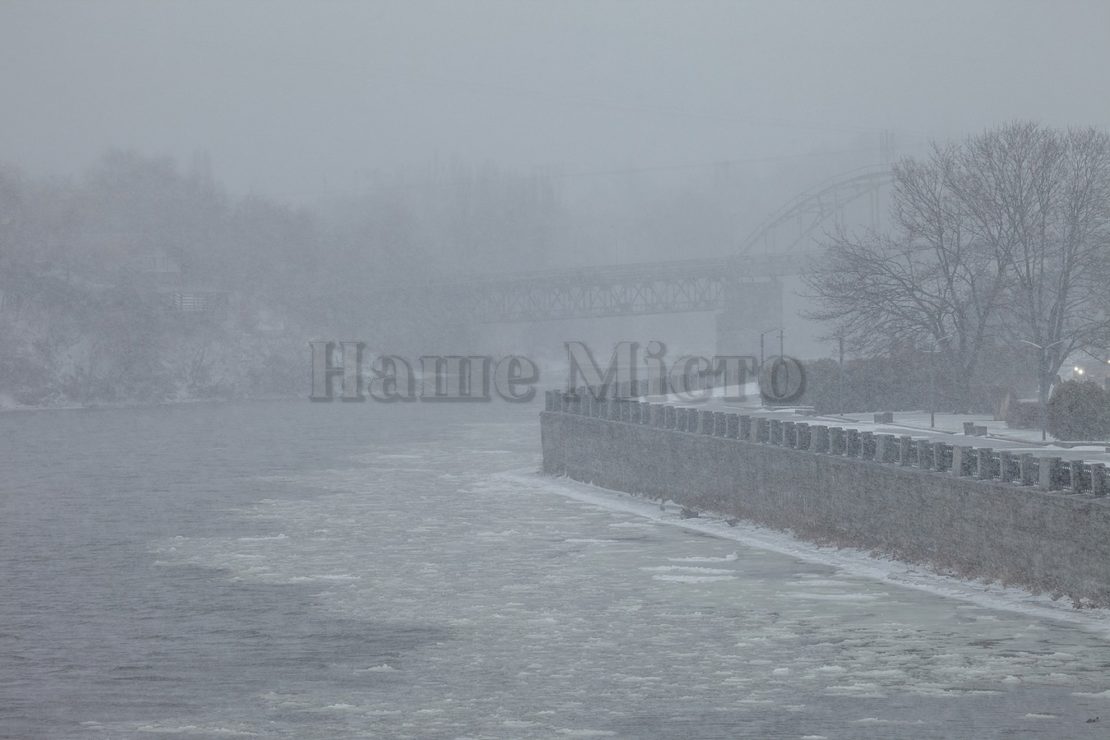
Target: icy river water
[{"x": 303, "y": 570}]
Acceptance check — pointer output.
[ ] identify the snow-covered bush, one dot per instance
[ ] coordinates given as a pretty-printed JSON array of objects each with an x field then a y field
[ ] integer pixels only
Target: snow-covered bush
[{"x": 1079, "y": 411}]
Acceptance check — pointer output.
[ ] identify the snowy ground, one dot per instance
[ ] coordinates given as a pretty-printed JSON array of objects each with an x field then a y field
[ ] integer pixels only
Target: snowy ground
[{"x": 948, "y": 427}]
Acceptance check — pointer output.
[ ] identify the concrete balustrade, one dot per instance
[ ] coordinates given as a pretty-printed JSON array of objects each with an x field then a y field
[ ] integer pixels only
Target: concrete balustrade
[
  {"x": 1048, "y": 473},
  {"x": 805, "y": 436},
  {"x": 1077, "y": 484},
  {"x": 819, "y": 438},
  {"x": 961, "y": 460},
  {"x": 852, "y": 443},
  {"x": 774, "y": 432},
  {"x": 790, "y": 434},
  {"x": 867, "y": 445},
  {"x": 707, "y": 422},
  {"x": 762, "y": 429},
  {"x": 1005, "y": 466},
  {"x": 985, "y": 463},
  {"x": 926, "y": 459},
  {"x": 884, "y": 448},
  {"x": 1098, "y": 479},
  {"x": 898, "y": 502},
  {"x": 942, "y": 456},
  {"x": 1028, "y": 469},
  {"x": 905, "y": 450}
]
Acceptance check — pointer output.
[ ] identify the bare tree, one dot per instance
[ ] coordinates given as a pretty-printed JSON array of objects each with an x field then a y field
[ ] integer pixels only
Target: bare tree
[
  {"x": 1041, "y": 199},
  {"x": 928, "y": 285},
  {"x": 1004, "y": 238}
]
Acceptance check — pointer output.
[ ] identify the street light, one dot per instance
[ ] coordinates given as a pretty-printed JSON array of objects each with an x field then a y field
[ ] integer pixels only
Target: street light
[
  {"x": 1040, "y": 369},
  {"x": 933, "y": 380},
  {"x": 761, "y": 357},
  {"x": 840, "y": 374}
]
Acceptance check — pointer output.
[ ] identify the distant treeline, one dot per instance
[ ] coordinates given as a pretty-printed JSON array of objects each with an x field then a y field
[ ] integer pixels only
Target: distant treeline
[{"x": 141, "y": 282}]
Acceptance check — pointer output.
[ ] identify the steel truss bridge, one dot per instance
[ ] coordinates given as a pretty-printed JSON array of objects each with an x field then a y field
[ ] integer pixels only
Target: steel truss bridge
[
  {"x": 607, "y": 291},
  {"x": 782, "y": 245}
]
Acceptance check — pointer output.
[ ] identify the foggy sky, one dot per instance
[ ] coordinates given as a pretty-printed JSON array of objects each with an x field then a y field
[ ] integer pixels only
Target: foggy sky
[{"x": 298, "y": 100}]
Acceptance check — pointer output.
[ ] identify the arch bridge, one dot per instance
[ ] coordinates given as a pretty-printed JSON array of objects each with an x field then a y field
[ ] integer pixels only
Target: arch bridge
[{"x": 744, "y": 290}]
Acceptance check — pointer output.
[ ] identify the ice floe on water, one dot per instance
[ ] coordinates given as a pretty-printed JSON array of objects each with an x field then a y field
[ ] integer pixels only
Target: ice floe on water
[
  {"x": 848, "y": 562},
  {"x": 556, "y": 609},
  {"x": 383, "y": 668},
  {"x": 686, "y": 578},
  {"x": 731, "y": 557},
  {"x": 684, "y": 569}
]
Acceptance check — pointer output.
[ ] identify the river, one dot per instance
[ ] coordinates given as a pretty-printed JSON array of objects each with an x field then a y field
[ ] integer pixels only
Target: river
[{"x": 300, "y": 570}]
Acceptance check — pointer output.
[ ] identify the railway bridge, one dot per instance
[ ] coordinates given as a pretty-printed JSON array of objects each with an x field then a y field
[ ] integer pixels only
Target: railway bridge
[{"x": 744, "y": 290}]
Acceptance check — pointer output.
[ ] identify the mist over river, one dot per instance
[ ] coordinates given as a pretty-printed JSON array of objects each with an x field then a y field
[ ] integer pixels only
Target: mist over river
[{"x": 300, "y": 570}]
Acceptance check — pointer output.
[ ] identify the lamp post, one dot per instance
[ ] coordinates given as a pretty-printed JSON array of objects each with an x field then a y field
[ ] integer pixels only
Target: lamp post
[
  {"x": 762, "y": 334},
  {"x": 933, "y": 380},
  {"x": 840, "y": 373},
  {"x": 1041, "y": 391}
]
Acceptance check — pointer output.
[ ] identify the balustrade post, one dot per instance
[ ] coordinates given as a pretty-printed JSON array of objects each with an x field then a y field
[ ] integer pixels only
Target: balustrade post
[
  {"x": 961, "y": 455},
  {"x": 905, "y": 450},
  {"x": 733, "y": 430},
  {"x": 926, "y": 456},
  {"x": 1048, "y": 477}
]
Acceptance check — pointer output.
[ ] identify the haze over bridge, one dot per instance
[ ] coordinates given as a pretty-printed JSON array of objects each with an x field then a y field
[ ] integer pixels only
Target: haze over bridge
[{"x": 744, "y": 290}]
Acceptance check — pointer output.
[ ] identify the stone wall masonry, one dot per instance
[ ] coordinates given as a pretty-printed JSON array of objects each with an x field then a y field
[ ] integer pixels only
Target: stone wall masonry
[{"x": 1037, "y": 522}]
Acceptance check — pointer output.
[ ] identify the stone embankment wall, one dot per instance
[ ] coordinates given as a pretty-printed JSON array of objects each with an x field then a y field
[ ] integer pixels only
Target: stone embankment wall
[{"x": 1025, "y": 520}]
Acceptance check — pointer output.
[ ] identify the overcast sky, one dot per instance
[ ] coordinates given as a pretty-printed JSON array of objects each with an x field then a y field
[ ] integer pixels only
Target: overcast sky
[{"x": 291, "y": 99}]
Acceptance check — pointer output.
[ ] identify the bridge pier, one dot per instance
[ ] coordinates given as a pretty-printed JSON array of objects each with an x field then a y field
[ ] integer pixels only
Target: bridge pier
[{"x": 750, "y": 308}]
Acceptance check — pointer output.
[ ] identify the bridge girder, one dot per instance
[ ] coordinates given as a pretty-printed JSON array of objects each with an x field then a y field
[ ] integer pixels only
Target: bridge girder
[{"x": 655, "y": 288}]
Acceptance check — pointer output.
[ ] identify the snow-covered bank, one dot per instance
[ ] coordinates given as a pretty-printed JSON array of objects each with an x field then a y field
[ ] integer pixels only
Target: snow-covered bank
[{"x": 850, "y": 560}]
